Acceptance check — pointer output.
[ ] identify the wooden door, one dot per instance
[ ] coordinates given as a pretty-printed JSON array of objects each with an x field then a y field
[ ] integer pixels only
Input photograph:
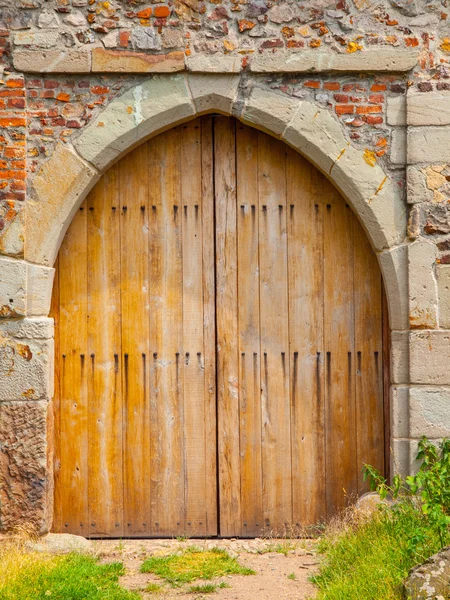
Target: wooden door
[{"x": 218, "y": 343}]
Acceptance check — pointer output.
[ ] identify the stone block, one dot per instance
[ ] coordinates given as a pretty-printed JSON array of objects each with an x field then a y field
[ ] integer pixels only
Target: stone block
[
  {"x": 397, "y": 154},
  {"x": 269, "y": 111},
  {"x": 422, "y": 285},
  {"x": 401, "y": 457},
  {"x": 394, "y": 266},
  {"x": 429, "y": 145},
  {"x": 429, "y": 412},
  {"x": 396, "y": 111},
  {"x": 417, "y": 191},
  {"x": 213, "y": 92},
  {"x": 39, "y": 290},
  {"x": 317, "y": 61},
  {"x": 12, "y": 235},
  {"x": 399, "y": 357},
  {"x": 41, "y": 328},
  {"x": 216, "y": 63},
  {"x": 431, "y": 579},
  {"x": 443, "y": 282},
  {"x": 13, "y": 287},
  {"x": 53, "y": 61},
  {"x": 58, "y": 189},
  {"x": 26, "y": 368},
  {"x": 144, "y": 110},
  {"x": 26, "y": 481},
  {"x": 123, "y": 61},
  {"x": 400, "y": 411},
  {"x": 40, "y": 39},
  {"x": 432, "y": 108},
  {"x": 429, "y": 357}
]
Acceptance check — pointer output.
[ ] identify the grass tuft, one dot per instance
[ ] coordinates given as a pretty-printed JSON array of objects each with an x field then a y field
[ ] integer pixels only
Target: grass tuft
[
  {"x": 154, "y": 588},
  {"x": 206, "y": 588},
  {"x": 194, "y": 563},
  {"x": 36, "y": 575}
]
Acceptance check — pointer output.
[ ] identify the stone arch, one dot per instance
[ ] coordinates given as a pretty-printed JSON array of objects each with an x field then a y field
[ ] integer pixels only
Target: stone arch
[{"x": 161, "y": 102}]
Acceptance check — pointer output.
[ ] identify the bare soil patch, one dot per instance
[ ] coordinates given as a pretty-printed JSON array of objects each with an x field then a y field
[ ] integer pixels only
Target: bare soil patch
[{"x": 282, "y": 568}]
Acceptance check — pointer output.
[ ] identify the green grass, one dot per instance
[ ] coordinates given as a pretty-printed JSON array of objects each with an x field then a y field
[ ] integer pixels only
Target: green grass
[
  {"x": 292, "y": 576},
  {"x": 70, "y": 577},
  {"x": 154, "y": 588},
  {"x": 194, "y": 563},
  {"x": 372, "y": 558}
]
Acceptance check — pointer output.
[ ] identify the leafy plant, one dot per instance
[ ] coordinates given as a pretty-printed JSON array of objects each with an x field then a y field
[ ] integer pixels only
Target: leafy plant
[{"x": 428, "y": 491}]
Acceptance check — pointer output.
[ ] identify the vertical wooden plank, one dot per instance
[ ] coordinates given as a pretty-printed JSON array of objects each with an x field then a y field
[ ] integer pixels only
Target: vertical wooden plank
[
  {"x": 193, "y": 342},
  {"x": 369, "y": 355},
  {"x": 305, "y": 272},
  {"x": 227, "y": 334},
  {"x": 209, "y": 326},
  {"x": 166, "y": 337},
  {"x": 276, "y": 438},
  {"x": 54, "y": 313},
  {"x": 340, "y": 356},
  {"x": 249, "y": 330},
  {"x": 73, "y": 258},
  {"x": 134, "y": 186},
  {"x": 104, "y": 348}
]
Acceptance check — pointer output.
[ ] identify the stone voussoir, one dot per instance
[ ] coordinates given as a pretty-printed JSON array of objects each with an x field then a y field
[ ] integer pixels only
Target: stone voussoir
[
  {"x": 213, "y": 92},
  {"x": 269, "y": 111},
  {"x": 58, "y": 189},
  {"x": 145, "y": 110}
]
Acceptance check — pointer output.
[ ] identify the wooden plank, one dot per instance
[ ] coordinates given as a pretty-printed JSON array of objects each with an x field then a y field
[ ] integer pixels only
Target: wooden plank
[
  {"x": 193, "y": 335},
  {"x": 166, "y": 337},
  {"x": 57, "y": 499},
  {"x": 369, "y": 356},
  {"x": 134, "y": 247},
  {"x": 209, "y": 326},
  {"x": 227, "y": 334},
  {"x": 249, "y": 330},
  {"x": 305, "y": 273},
  {"x": 276, "y": 438},
  {"x": 104, "y": 348},
  {"x": 73, "y": 480},
  {"x": 340, "y": 416}
]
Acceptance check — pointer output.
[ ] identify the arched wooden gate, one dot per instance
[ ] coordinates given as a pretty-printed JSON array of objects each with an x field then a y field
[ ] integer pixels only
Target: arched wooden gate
[{"x": 218, "y": 343}]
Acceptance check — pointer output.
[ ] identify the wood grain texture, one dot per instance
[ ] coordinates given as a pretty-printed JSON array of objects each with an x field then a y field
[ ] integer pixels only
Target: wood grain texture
[{"x": 219, "y": 343}]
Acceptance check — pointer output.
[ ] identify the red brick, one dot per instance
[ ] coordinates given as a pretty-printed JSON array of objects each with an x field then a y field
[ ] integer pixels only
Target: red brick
[
  {"x": 144, "y": 14},
  {"x": 12, "y": 93},
  {"x": 341, "y": 98},
  {"x": 13, "y": 121},
  {"x": 378, "y": 87},
  {"x": 47, "y": 94},
  {"x": 363, "y": 110},
  {"x": 331, "y": 85},
  {"x": 13, "y": 174},
  {"x": 370, "y": 120},
  {"x": 161, "y": 11},
  {"x": 16, "y": 103},
  {"x": 14, "y": 152},
  {"x": 98, "y": 89},
  {"x": 344, "y": 109},
  {"x": 15, "y": 83},
  {"x": 124, "y": 37},
  {"x": 312, "y": 84},
  {"x": 376, "y": 98},
  {"x": 348, "y": 87},
  {"x": 34, "y": 83},
  {"x": 63, "y": 97},
  {"x": 51, "y": 84}
]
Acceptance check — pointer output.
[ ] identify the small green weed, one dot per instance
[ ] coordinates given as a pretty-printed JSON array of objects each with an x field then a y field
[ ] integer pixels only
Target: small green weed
[
  {"x": 194, "y": 563},
  {"x": 154, "y": 588},
  {"x": 206, "y": 588},
  {"x": 292, "y": 576}
]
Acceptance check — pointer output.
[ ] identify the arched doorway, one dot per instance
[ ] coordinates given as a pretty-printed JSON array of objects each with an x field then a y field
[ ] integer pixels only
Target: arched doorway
[{"x": 219, "y": 319}]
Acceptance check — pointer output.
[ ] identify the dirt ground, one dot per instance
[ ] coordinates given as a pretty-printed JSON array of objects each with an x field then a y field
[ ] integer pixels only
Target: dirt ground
[{"x": 282, "y": 567}]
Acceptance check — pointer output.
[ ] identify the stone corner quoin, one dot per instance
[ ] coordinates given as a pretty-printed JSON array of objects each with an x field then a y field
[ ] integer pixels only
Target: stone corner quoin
[{"x": 362, "y": 92}]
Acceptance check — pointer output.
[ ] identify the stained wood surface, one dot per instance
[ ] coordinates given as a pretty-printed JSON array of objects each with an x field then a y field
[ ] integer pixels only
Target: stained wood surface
[{"x": 220, "y": 366}]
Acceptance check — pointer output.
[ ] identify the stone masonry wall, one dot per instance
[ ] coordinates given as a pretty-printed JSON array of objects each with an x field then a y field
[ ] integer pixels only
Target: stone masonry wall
[{"x": 380, "y": 69}]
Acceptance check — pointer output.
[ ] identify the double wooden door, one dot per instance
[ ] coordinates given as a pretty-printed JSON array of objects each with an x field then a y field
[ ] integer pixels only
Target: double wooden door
[{"x": 219, "y": 355}]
